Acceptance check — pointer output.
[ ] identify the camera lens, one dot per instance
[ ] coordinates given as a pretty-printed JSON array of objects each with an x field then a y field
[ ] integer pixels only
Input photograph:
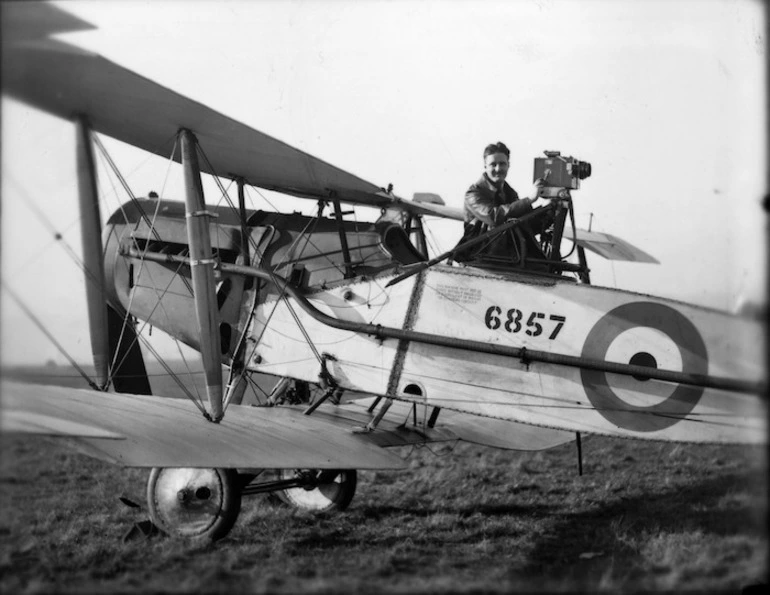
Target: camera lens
[{"x": 583, "y": 169}]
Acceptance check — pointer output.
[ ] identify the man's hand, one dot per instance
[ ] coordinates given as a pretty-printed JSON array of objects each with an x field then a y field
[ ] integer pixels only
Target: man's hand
[{"x": 534, "y": 195}]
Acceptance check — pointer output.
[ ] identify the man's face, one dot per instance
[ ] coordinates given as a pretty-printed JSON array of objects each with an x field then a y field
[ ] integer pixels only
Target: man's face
[{"x": 496, "y": 167}]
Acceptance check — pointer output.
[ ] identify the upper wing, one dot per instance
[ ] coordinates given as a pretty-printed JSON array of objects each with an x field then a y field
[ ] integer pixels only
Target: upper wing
[
  {"x": 609, "y": 246},
  {"x": 66, "y": 81}
]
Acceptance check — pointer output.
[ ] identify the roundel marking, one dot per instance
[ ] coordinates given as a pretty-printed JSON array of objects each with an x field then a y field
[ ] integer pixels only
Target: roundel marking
[{"x": 672, "y": 324}]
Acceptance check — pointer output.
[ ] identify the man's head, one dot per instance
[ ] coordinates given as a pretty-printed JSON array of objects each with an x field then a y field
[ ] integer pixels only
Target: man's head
[{"x": 496, "y": 162}]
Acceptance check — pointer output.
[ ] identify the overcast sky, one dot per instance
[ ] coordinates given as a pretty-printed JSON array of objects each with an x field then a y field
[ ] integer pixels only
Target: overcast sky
[{"x": 665, "y": 99}]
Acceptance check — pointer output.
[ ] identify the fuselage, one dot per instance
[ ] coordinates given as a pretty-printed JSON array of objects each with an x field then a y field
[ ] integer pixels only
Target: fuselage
[{"x": 453, "y": 337}]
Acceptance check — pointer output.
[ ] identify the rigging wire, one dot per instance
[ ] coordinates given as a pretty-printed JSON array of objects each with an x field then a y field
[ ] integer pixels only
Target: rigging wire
[
  {"x": 98, "y": 143},
  {"x": 114, "y": 191},
  {"x": 267, "y": 200},
  {"x": 308, "y": 241},
  {"x": 433, "y": 243},
  {"x": 154, "y": 152},
  {"x": 114, "y": 368},
  {"x": 90, "y": 276},
  {"x": 171, "y": 373},
  {"x": 255, "y": 385},
  {"x": 58, "y": 236},
  {"x": 303, "y": 234},
  {"x": 152, "y": 230},
  {"x": 19, "y": 302},
  {"x": 159, "y": 303},
  {"x": 113, "y": 167},
  {"x": 225, "y": 194},
  {"x": 283, "y": 297},
  {"x": 130, "y": 304},
  {"x": 306, "y": 234},
  {"x": 258, "y": 252}
]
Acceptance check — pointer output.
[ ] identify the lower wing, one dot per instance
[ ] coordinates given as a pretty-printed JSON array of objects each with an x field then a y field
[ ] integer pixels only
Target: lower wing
[{"x": 150, "y": 431}]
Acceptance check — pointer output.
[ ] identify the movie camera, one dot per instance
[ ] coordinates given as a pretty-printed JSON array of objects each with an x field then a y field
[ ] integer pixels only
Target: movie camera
[{"x": 560, "y": 173}]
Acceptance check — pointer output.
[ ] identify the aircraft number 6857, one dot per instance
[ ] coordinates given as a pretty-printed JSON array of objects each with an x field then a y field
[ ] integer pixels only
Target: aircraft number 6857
[{"x": 512, "y": 322}]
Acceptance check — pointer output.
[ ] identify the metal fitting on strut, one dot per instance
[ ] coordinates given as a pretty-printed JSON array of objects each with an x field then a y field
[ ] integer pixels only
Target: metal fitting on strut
[{"x": 327, "y": 381}]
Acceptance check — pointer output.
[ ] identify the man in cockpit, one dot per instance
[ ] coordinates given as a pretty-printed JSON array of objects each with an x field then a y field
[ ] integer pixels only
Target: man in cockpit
[{"x": 490, "y": 202}]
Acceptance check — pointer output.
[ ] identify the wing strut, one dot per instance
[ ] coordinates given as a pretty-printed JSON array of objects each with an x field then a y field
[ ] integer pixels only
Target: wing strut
[
  {"x": 349, "y": 273},
  {"x": 202, "y": 269},
  {"x": 93, "y": 253}
]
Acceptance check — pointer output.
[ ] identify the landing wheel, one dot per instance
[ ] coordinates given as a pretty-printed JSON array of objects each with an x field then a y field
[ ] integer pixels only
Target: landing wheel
[
  {"x": 188, "y": 502},
  {"x": 327, "y": 490}
]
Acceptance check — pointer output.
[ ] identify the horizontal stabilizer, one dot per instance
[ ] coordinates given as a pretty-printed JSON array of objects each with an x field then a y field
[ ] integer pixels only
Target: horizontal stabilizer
[
  {"x": 164, "y": 432},
  {"x": 609, "y": 246}
]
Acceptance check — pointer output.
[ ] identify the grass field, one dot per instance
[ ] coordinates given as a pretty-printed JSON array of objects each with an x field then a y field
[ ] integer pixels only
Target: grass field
[{"x": 643, "y": 517}]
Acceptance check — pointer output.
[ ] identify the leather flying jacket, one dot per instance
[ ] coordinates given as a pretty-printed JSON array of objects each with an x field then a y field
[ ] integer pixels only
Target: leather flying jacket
[{"x": 492, "y": 206}]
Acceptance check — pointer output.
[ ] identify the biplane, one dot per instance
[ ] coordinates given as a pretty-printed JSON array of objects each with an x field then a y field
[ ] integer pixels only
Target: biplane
[{"x": 521, "y": 353}]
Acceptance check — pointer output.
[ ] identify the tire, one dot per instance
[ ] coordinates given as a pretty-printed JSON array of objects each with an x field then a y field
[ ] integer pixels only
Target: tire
[
  {"x": 334, "y": 491},
  {"x": 191, "y": 502}
]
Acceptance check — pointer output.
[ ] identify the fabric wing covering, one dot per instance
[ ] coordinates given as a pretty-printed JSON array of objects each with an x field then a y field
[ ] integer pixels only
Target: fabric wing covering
[
  {"x": 149, "y": 431},
  {"x": 66, "y": 81}
]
